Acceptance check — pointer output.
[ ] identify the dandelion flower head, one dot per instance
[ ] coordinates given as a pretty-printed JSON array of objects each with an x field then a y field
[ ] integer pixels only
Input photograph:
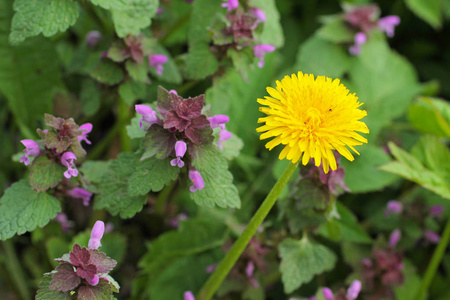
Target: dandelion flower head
[{"x": 311, "y": 117}]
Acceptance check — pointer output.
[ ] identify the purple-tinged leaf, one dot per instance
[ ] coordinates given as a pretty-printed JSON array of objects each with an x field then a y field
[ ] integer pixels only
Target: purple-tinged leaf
[
  {"x": 53, "y": 121},
  {"x": 166, "y": 100},
  {"x": 79, "y": 256},
  {"x": 44, "y": 292},
  {"x": 102, "y": 291},
  {"x": 190, "y": 108},
  {"x": 87, "y": 272},
  {"x": 54, "y": 141},
  {"x": 64, "y": 258},
  {"x": 103, "y": 263},
  {"x": 172, "y": 120},
  {"x": 158, "y": 142},
  {"x": 45, "y": 173},
  {"x": 65, "y": 279}
]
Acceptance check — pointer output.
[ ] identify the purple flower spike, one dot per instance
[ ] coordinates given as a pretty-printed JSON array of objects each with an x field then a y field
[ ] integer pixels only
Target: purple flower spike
[
  {"x": 31, "y": 149},
  {"x": 223, "y": 136},
  {"x": 188, "y": 296},
  {"x": 94, "y": 280},
  {"x": 80, "y": 193},
  {"x": 231, "y": 4},
  {"x": 219, "y": 121},
  {"x": 180, "y": 150},
  {"x": 260, "y": 51},
  {"x": 327, "y": 293},
  {"x": 96, "y": 235},
  {"x": 395, "y": 236},
  {"x": 353, "y": 290},
  {"x": 157, "y": 61},
  {"x": 92, "y": 38},
  {"x": 148, "y": 115},
  {"x": 67, "y": 160},
  {"x": 431, "y": 236},
  {"x": 393, "y": 207},
  {"x": 259, "y": 14},
  {"x": 85, "y": 128},
  {"x": 436, "y": 211},
  {"x": 197, "y": 180},
  {"x": 387, "y": 24}
]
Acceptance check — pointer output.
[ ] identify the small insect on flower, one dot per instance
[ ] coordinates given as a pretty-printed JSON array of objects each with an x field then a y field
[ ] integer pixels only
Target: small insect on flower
[{"x": 312, "y": 117}]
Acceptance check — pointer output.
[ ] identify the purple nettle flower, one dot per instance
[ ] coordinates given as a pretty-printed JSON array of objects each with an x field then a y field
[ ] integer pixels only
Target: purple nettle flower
[
  {"x": 353, "y": 290},
  {"x": 259, "y": 14},
  {"x": 260, "y": 51},
  {"x": 159, "y": 10},
  {"x": 197, "y": 180},
  {"x": 395, "y": 236},
  {"x": 360, "y": 39},
  {"x": 223, "y": 136},
  {"x": 109, "y": 227},
  {"x": 209, "y": 269},
  {"x": 173, "y": 92},
  {"x": 62, "y": 219},
  {"x": 85, "y": 128},
  {"x": 231, "y": 4},
  {"x": 180, "y": 150},
  {"x": 80, "y": 193},
  {"x": 249, "y": 270},
  {"x": 92, "y": 38},
  {"x": 436, "y": 211},
  {"x": 431, "y": 236},
  {"x": 96, "y": 235},
  {"x": 393, "y": 207},
  {"x": 31, "y": 149},
  {"x": 148, "y": 115},
  {"x": 388, "y": 23},
  {"x": 188, "y": 296},
  {"x": 157, "y": 61},
  {"x": 219, "y": 121},
  {"x": 327, "y": 293},
  {"x": 67, "y": 160}
]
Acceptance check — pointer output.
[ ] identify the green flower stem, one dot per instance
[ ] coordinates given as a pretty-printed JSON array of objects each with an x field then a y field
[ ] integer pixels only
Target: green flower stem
[
  {"x": 15, "y": 271},
  {"x": 434, "y": 262},
  {"x": 227, "y": 263},
  {"x": 124, "y": 118}
]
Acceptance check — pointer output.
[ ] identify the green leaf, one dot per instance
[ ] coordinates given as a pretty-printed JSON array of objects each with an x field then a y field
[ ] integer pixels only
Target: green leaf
[
  {"x": 432, "y": 175},
  {"x": 428, "y": 10},
  {"x": 320, "y": 57},
  {"x": 90, "y": 97},
  {"x": 44, "y": 292},
  {"x": 29, "y": 73},
  {"x": 363, "y": 174},
  {"x": 192, "y": 237},
  {"x": 336, "y": 30},
  {"x": 172, "y": 282},
  {"x": 133, "y": 130},
  {"x": 347, "y": 226},
  {"x": 107, "y": 72},
  {"x": 93, "y": 171},
  {"x": 129, "y": 16},
  {"x": 200, "y": 62},
  {"x": 301, "y": 261},
  {"x": 22, "y": 209},
  {"x": 138, "y": 71},
  {"x": 113, "y": 188},
  {"x": 102, "y": 291},
  {"x": 131, "y": 91},
  {"x": 152, "y": 174},
  {"x": 45, "y": 173},
  {"x": 272, "y": 31},
  {"x": 430, "y": 115},
  {"x": 56, "y": 247},
  {"x": 232, "y": 147},
  {"x": 219, "y": 188},
  {"x": 46, "y": 17},
  {"x": 384, "y": 81}
]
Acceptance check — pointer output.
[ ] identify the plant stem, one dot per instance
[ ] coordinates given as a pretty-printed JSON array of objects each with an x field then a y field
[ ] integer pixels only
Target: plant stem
[
  {"x": 434, "y": 262},
  {"x": 124, "y": 118},
  {"x": 225, "y": 266},
  {"x": 15, "y": 270}
]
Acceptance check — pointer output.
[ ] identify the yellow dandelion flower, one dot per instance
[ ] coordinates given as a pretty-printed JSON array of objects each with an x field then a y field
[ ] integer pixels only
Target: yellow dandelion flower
[{"x": 311, "y": 117}]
